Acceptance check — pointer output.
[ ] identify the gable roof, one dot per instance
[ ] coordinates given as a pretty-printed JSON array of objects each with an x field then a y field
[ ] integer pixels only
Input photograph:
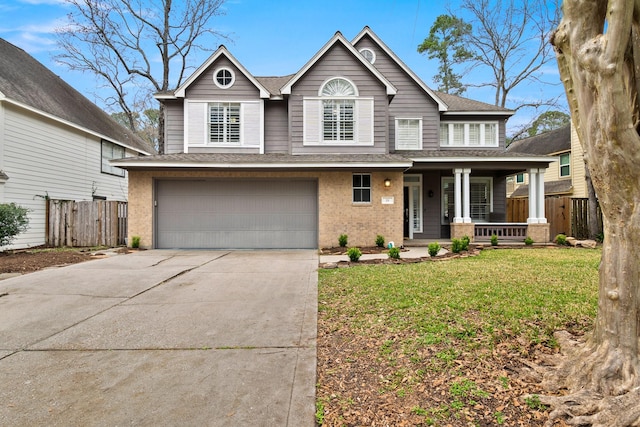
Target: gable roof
[
  {"x": 27, "y": 83},
  {"x": 366, "y": 31},
  {"x": 553, "y": 141},
  {"x": 338, "y": 38},
  {"x": 221, "y": 51},
  {"x": 457, "y": 105}
]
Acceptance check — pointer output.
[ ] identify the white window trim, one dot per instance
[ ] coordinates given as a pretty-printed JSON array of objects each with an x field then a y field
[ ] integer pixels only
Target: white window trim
[
  {"x": 373, "y": 54},
  {"x": 483, "y": 142},
  {"x": 419, "y": 119},
  {"x": 472, "y": 179},
  {"x": 560, "y": 165},
  {"x": 324, "y": 83},
  {"x": 370, "y": 189},
  {"x": 410, "y": 185},
  {"x": 215, "y": 77},
  {"x": 356, "y": 120}
]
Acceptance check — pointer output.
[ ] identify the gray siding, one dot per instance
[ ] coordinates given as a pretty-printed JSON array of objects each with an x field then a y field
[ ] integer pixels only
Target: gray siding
[
  {"x": 339, "y": 62},
  {"x": 410, "y": 101},
  {"x": 174, "y": 126},
  {"x": 205, "y": 89},
  {"x": 276, "y": 127}
]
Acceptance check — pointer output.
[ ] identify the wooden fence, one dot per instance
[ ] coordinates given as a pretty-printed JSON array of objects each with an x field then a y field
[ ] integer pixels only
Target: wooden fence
[
  {"x": 565, "y": 215},
  {"x": 86, "y": 223}
]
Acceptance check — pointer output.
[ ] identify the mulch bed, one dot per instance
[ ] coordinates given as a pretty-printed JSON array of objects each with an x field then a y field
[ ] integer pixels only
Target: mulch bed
[{"x": 27, "y": 261}]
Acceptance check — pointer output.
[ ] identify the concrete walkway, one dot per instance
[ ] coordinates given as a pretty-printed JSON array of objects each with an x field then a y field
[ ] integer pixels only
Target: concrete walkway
[{"x": 209, "y": 338}]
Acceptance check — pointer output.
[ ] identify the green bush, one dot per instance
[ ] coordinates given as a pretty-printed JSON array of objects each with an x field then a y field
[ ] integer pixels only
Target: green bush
[
  {"x": 528, "y": 241},
  {"x": 434, "y": 248},
  {"x": 13, "y": 221},
  {"x": 561, "y": 239},
  {"x": 456, "y": 246},
  {"x": 380, "y": 241},
  {"x": 342, "y": 240},
  {"x": 394, "y": 253},
  {"x": 354, "y": 254},
  {"x": 135, "y": 242},
  {"x": 494, "y": 240},
  {"x": 465, "y": 242}
]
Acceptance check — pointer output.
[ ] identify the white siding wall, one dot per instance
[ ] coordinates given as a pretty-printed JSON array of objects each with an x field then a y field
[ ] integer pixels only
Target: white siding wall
[{"x": 44, "y": 158}]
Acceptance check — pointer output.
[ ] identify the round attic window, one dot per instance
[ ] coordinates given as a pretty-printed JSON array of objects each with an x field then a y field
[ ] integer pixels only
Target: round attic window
[
  {"x": 224, "y": 78},
  {"x": 368, "y": 54}
]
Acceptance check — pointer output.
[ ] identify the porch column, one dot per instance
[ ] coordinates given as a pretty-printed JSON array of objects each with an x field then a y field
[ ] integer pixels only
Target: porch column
[
  {"x": 457, "y": 190},
  {"x": 466, "y": 194},
  {"x": 533, "y": 196},
  {"x": 542, "y": 219}
]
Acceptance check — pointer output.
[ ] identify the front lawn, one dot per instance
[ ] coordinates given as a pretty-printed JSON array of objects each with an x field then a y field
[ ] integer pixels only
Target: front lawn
[{"x": 447, "y": 343}]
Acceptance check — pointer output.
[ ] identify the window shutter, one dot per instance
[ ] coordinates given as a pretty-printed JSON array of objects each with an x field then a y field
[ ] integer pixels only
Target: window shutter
[
  {"x": 197, "y": 132},
  {"x": 250, "y": 122},
  {"x": 364, "y": 121},
  {"x": 312, "y": 121}
]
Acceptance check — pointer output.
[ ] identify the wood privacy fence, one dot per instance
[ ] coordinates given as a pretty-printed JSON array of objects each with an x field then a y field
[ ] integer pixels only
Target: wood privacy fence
[
  {"x": 565, "y": 215},
  {"x": 86, "y": 223}
]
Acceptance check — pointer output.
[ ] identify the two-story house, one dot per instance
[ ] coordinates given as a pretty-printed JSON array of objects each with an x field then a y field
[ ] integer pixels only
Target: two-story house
[
  {"x": 55, "y": 143},
  {"x": 353, "y": 143}
]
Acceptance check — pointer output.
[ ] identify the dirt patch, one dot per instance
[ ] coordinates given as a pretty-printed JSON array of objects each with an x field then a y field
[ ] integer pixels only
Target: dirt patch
[{"x": 27, "y": 261}]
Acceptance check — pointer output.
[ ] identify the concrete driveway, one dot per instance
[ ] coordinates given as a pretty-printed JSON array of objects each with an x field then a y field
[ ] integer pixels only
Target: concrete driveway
[{"x": 172, "y": 338}]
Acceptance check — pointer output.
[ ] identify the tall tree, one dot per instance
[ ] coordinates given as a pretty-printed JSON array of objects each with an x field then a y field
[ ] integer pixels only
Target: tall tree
[
  {"x": 446, "y": 43},
  {"x": 509, "y": 38},
  {"x": 598, "y": 48},
  {"x": 137, "y": 47}
]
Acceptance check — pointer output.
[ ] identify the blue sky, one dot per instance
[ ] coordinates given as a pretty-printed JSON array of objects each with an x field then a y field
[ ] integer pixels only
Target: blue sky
[{"x": 275, "y": 37}]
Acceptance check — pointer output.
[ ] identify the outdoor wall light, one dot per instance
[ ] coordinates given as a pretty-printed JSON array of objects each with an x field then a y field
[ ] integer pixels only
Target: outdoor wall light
[
  {"x": 430, "y": 193},
  {"x": 387, "y": 182}
]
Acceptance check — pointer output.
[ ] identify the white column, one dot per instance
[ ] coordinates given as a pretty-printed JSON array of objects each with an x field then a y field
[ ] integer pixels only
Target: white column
[
  {"x": 457, "y": 189},
  {"x": 533, "y": 196},
  {"x": 542, "y": 219},
  {"x": 466, "y": 196}
]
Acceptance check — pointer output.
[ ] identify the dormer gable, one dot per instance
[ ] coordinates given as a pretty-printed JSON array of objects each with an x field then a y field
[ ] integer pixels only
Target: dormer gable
[
  {"x": 222, "y": 77},
  {"x": 367, "y": 32},
  {"x": 338, "y": 38}
]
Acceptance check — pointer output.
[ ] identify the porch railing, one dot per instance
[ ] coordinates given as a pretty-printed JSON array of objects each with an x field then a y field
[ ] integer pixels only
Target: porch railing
[{"x": 504, "y": 230}]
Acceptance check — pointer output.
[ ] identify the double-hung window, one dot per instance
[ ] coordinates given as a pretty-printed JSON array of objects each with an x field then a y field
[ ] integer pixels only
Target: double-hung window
[
  {"x": 224, "y": 123},
  {"x": 361, "y": 188},
  {"x": 111, "y": 151},
  {"x": 565, "y": 165}
]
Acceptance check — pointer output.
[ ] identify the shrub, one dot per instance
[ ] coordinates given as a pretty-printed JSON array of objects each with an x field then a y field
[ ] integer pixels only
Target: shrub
[
  {"x": 434, "y": 248},
  {"x": 13, "y": 221},
  {"x": 135, "y": 242},
  {"x": 465, "y": 242},
  {"x": 380, "y": 241},
  {"x": 354, "y": 254},
  {"x": 528, "y": 241},
  {"x": 561, "y": 239},
  {"x": 342, "y": 240},
  {"x": 394, "y": 253},
  {"x": 456, "y": 246},
  {"x": 494, "y": 240},
  {"x": 600, "y": 237}
]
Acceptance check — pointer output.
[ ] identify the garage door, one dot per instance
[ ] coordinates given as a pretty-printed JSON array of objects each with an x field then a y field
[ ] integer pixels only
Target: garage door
[{"x": 243, "y": 214}]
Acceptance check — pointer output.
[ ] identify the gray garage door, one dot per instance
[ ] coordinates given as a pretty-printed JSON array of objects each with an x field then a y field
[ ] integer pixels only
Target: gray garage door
[{"x": 246, "y": 214}]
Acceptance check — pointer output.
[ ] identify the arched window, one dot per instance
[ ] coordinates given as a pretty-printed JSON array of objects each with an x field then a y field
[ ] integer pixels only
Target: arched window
[{"x": 338, "y": 112}]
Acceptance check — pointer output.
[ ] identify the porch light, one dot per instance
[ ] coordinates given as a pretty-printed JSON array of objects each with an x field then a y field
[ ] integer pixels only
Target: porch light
[{"x": 387, "y": 182}]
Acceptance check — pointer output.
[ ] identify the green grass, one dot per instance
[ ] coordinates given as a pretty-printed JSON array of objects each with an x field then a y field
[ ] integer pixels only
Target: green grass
[{"x": 472, "y": 302}]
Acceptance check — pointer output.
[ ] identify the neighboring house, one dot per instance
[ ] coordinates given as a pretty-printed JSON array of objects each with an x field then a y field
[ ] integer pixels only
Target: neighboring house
[
  {"x": 353, "y": 143},
  {"x": 54, "y": 143},
  {"x": 566, "y": 177}
]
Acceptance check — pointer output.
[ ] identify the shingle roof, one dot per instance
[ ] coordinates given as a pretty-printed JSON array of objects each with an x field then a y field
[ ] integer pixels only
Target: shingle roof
[
  {"x": 553, "y": 141},
  {"x": 460, "y": 104},
  {"x": 562, "y": 186},
  {"x": 274, "y": 83},
  {"x": 25, "y": 80}
]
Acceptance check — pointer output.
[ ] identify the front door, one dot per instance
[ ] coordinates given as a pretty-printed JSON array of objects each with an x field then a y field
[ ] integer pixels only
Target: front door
[{"x": 412, "y": 205}]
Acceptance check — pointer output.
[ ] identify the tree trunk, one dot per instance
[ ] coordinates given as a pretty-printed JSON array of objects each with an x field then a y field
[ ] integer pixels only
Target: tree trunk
[
  {"x": 594, "y": 225},
  {"x": 599, "y": 75}
]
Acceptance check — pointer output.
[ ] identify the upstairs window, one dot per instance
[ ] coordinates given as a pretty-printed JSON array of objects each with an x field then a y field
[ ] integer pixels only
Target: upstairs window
[
  {"x": 111, "y": 151},
  {"x": 224, "y": 78},
  {"x": 338, "y": 120},
  {"x": 468, "y": 134},
  {"x": 408, "y": 134},
  {"x": 565, "y": 165},
  {"x": 224, "y": 123},
  {"x": 368, "y": 54}
]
